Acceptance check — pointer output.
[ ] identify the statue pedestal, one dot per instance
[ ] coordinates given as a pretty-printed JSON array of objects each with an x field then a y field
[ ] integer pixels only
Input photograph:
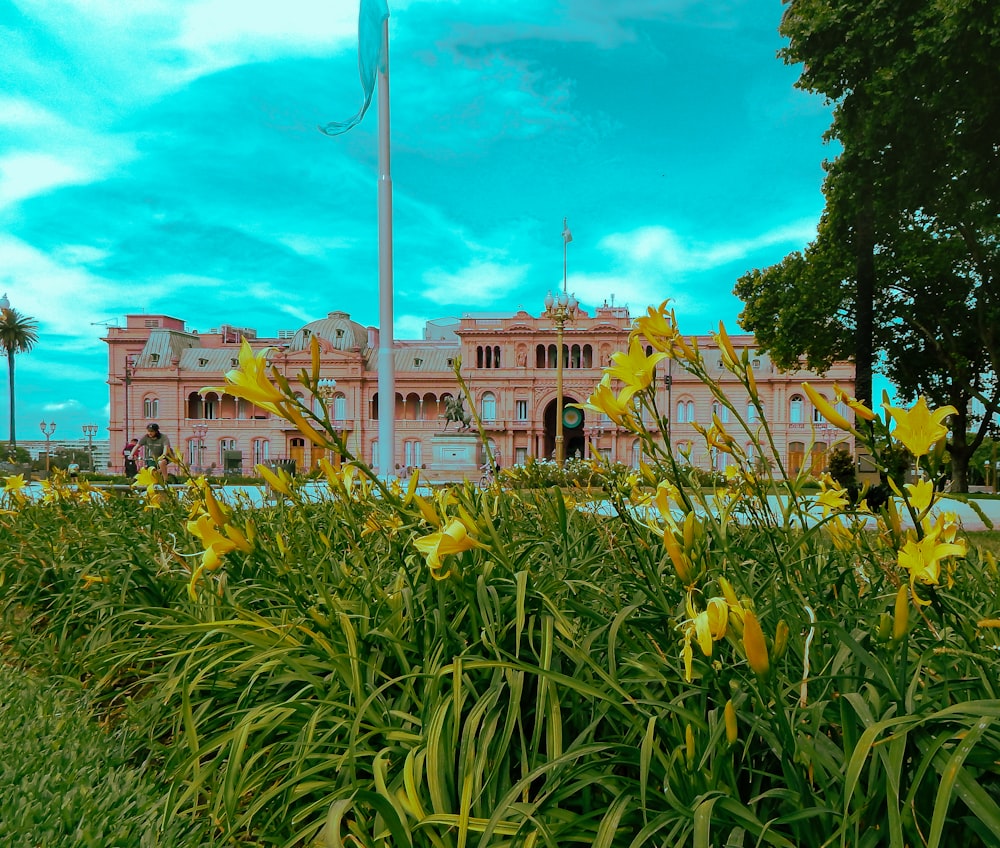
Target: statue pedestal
[{"x": 454, "y": 456}]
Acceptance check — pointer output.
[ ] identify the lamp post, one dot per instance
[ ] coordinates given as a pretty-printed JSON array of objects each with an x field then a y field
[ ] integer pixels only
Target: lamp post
[
  {"x": 560, "y": 310},
  {"x": 90, "y": 430},
  {"x": 47, "y": 432},
  {"x": 126, "y": 382},
  {"x": 200, "y": 431}
]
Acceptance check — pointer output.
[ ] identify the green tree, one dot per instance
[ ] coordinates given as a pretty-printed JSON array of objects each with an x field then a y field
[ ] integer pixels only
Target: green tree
[
  {"x": 18, "y": 334},
  {"x": 905, "y": 266}
]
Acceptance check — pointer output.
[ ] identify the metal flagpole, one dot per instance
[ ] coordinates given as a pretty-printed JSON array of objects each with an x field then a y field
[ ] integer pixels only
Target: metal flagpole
[{"x": 386, "y": 364}]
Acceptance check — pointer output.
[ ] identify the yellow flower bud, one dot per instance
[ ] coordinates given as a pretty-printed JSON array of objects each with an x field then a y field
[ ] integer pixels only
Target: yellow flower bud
[
  {"x": 902, "y": 613},
  {"x": 780, "y": 640},
  {"x": 732, "y": 730},
  {"x": 754, "y": 645},
  {"x": 884, "y": 630},
  {"x": 689, "y": 745}
]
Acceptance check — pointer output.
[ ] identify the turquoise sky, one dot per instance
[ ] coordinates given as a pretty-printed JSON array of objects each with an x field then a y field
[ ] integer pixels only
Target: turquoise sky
[{"x": 163, "y": 156}]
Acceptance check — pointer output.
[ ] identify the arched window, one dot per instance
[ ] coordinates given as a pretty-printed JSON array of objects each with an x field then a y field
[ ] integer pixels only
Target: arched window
[
  {"x": 796, "y": 455},
  {"x": 795, "y": 409},
  {"x": 552, "y": 356},
  {"x": 339, "y": 407},
  {"x": 575, "y": 356},
  {"x": 496, "y": 356},
  {"x": 751, "y": 413},
  {"x": 479, "y": 356},
  {"x": 721, "y": 411},
  {"x": 588, "y": 356},
  {"x": 817, "y": 459},
  {"x": 151, "y": 407},
  {"x": 540, "y": 356},
  {"x": 489, "y": 407},
  {"x": 685, "y": 411}
]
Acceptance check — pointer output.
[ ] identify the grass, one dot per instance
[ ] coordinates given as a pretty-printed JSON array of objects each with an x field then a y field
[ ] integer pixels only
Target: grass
[{"x": 66, "y": 782}]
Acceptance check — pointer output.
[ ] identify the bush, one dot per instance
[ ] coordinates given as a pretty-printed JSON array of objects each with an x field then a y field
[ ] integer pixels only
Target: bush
[{"x": 680, "y": 664}]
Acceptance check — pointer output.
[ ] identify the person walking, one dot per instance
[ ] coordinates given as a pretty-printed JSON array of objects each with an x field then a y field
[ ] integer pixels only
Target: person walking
[{"x": 157, "y": 449}]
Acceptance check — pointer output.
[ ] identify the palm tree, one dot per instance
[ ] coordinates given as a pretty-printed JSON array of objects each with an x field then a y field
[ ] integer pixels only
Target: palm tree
[{"x": 18, "y": 334}]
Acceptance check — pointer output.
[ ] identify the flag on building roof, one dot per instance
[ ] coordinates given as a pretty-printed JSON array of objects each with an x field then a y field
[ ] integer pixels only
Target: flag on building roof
[
  {"x": 371, "y": 59},
  {"x": 567, "y": 235}
]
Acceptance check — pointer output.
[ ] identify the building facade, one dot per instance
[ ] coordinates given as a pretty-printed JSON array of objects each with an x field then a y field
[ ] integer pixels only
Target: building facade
[{"x": 509, "y": 360}]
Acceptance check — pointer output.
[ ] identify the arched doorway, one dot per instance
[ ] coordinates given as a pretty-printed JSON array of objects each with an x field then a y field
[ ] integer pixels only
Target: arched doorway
[{"x": 573, "y": 423}]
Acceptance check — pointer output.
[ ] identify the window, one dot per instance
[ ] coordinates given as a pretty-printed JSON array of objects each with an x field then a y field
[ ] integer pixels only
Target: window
[
  {"x": 339, "y": 407},
  {"x": 521, "y": 410},
  {"x": 225, "y": 445},
  {"x": 151, "y": 407},
  {"x": 751, "y": 413},
  {"x": 152, "y": 322},
  {"x": 796, "y": 455},
  {"x": 209, "y": 409},
  {"x": 685, "y": 411},
  {"x": 261, "y": 449},
  {"x": 817, "y": 415},
  {"x": 374, "y": 459},
  {"x": 721, "y": 411},
  {"x": 412, "y": 454},
  {"x": 242, "y": 409},
  {"x": 636, "y": 453},
  {"x": 795, "y": 410},
  {"x": 489, "y": 407}
]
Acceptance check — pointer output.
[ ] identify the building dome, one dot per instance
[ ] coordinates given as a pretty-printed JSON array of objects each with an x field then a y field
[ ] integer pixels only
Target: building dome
[{"x": 337, "y": 328}]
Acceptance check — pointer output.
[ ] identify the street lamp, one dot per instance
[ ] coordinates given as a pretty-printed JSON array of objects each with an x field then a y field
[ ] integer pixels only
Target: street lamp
[
  {"x": 90, "y": 430},
  {"x": 560, "y": 310},
  {"x": 200, "y": 431},
  {"x": 48, "y": 435}
]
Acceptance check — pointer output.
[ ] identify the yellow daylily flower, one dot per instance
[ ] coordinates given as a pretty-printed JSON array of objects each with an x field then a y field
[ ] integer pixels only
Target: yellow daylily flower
[
  {"x": 279, "y": 479},
  {"x": 918, "y": 428},
  {"x": 658, "y": 327},
  {"x": 216, "y": 545},
  {"x": 827, "y": 410},
  {"x": 922, "y": 558},
  {"x": 710, "y": 624},
  {"x": 633, "y": 368},
  {"x": 605, "y": 401},
  {"x": 453, "y": 539},
  {"x": 921, "y": 495},
  {"x": 14, "y": 483},
  {"x": 249, "y": 381}
]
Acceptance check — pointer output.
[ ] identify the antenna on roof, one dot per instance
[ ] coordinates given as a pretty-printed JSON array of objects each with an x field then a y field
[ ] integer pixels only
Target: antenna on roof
[{"x": 108, "y": 322}]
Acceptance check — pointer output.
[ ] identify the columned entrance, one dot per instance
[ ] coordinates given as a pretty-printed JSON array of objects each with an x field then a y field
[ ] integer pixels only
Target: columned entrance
[{"x": 574, "y": 438}]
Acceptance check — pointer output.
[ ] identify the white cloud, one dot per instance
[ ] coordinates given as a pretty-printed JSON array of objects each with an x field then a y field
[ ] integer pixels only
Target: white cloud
[
  {"x": 666, "y": 251},
  {"x": 66, "y": 300},
  {"x": 479, "y": 283},
  {"x": 24, "y": 175}
]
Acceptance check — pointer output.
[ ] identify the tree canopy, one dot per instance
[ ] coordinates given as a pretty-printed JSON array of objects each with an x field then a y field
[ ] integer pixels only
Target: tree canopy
[{"x": 904, "y": 268}]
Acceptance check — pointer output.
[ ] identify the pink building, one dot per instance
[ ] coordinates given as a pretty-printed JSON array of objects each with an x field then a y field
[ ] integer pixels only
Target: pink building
[{"x": 509, "y": 360}]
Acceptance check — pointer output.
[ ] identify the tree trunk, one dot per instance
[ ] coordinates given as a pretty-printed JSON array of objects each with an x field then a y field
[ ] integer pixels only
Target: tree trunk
[
  {"x": 10, "y": 371},
  {"x": 961, "y": 451},
  {"x": 864, "y": 306}
]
